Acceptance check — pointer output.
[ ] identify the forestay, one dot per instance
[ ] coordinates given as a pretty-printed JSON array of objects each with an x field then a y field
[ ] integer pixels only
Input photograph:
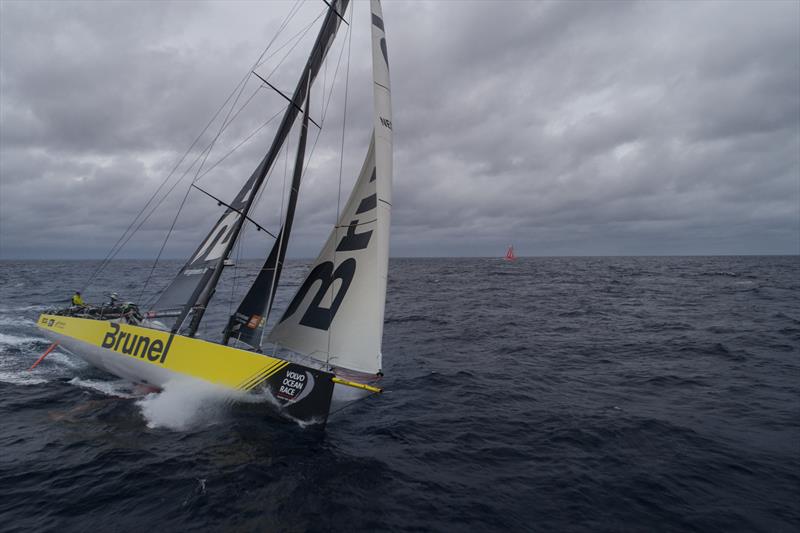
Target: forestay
[{"x": 336, "y": 316}]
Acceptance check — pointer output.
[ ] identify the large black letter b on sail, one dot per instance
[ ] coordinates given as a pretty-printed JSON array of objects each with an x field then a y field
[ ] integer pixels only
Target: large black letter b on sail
[{"x": 316, "y": 316}]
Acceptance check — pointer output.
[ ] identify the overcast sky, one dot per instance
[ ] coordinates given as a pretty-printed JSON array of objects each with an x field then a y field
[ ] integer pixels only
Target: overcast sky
[{"x": 566, "y": 128}]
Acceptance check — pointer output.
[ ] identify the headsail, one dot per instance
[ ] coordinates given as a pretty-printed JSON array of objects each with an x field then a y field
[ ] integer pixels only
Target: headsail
[
  {"x": 195, "y": 284},
  {"x": 336, "y": 316}
]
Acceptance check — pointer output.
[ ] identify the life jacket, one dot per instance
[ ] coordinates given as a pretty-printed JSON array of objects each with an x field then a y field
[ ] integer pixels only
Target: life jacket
[{"x": 77, "y": 300}]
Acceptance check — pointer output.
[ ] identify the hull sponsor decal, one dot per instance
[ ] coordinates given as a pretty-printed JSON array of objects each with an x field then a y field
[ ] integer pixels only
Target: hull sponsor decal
[{"x": 136, "y": 345}]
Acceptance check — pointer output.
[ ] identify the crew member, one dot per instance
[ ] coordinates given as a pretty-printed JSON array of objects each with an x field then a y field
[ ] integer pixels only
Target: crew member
[{"x": 77, "y": 300}]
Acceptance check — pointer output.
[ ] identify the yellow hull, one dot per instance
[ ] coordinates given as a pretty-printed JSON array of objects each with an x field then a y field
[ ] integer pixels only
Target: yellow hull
[{"x": 155, "y": 357}]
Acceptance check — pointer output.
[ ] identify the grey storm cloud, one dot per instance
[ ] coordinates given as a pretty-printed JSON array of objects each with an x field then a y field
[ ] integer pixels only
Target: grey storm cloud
[{"x": 562, "y": 127}]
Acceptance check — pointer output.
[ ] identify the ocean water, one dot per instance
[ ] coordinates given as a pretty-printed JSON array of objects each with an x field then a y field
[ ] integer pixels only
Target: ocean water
[{"x": 549, "y": 394}]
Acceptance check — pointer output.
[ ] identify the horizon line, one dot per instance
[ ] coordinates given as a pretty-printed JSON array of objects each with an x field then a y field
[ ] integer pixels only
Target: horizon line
[{"x": 776, "y": 254}]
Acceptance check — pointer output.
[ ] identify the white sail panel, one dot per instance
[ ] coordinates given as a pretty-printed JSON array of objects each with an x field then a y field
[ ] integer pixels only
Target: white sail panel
[{"x": 336, "y": 316}]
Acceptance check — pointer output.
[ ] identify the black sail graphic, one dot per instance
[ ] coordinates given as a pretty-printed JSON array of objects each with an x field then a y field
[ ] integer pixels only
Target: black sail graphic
[
  {"x": 194, "y": 286},
  {"x": 247, "y": 324}
]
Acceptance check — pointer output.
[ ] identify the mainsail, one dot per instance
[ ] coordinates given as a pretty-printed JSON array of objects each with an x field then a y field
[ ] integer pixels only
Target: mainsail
[
  {"x": 195, "y": 284},
  {"x": 336, "y": 316}
]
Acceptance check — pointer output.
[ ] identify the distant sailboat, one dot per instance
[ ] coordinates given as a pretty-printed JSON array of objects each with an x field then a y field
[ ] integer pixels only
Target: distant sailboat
[{"x": 510, "y": 254}]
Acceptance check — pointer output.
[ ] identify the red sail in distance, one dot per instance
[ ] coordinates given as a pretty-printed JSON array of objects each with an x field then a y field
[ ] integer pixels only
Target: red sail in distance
[{"x": 510, "y": 254}]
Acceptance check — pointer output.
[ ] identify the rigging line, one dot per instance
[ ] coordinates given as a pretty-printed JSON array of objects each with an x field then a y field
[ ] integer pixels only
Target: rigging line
[
  {"x": 236, "y": 271},
  {"x": 325, "y": 107},
  {"x": 220, "y": 202},
  {"x": 240, "y": 242},
  {"x": 112, "y": 253},
  {"x": 164, "y": 244},
  {"x": 253, "y": 134},
  {"x": 117, "y": 247},
  {"x": 324, "y": 86},
  {"x": 224, "y": 126},
  {"x": 300, "y": 33},
  {"x": 289, "y": 40},
  {"x": 185, "y": 196},
  {"x": 249, "y": 99},
  {"x": 289, "y": 16},
  {"x": 197, "y": 177},
  {"x": 291, "y": 102},
  {"x": 152, "y": 269},
  {"x": 334, "y": 10},
  {"x": 278, "y": 262},
  {"x": 153, "y": 210},
  {"x": 152, "y": 300},
  {"x": 225, "y": 123},
  {"x": 353, "y": 402},
  {"x": 235, "y": 115},
  {"x": 229, "y": 119},
  {"x": 341, "y": 165},
  {"x": 324, "y": 111}
]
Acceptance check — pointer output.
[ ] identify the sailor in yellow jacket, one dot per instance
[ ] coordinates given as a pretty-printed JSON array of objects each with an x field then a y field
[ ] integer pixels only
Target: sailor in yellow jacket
[{"x": 77, "y": 300}]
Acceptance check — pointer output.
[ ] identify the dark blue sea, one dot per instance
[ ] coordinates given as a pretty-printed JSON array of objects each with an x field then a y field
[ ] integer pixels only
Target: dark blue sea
[{"x": 549, "y": 394}]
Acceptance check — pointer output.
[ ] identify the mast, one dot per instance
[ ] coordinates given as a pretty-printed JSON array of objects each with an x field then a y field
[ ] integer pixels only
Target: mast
[
  {"x": 199, "y": 277},
  {"x": 253, "y": 312}
]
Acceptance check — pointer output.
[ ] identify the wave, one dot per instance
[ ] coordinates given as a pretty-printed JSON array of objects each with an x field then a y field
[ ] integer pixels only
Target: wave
[
  {"x": 414, "y": 318},
  {"x": 14, "y": 321},
  {"x": 118, "y": 388},
  {"x": 17, "y": 377},
  {"x": 69, "y": 361},
  {"x": 37, "y": 307},
  {"x": 15, "y": 340}
]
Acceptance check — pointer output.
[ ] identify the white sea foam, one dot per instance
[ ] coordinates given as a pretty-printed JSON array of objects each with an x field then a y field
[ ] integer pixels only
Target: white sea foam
[
  {"x": 16, "y": 340},
  {"x": 119, "y": 388},
  {"x": 21, "y": 377},
  {"x": 183, "y": 404},
  {"x": 67, "y": 360},
  {"x": 14, "y": 321},
  {"x": 39, "y": 307}
]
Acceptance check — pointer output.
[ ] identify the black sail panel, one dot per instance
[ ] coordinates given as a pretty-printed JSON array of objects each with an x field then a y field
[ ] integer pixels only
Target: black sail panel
[
  {"x": 195, "y": 275},
  {"x": 195, "y": 284},
  {"x": 247, "y": 323}
]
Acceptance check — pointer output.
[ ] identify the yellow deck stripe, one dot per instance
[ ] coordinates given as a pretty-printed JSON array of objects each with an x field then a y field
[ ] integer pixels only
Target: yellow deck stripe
[
  {"x": 254, "y": 377},
  {"x": 264, "y": 378}
]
